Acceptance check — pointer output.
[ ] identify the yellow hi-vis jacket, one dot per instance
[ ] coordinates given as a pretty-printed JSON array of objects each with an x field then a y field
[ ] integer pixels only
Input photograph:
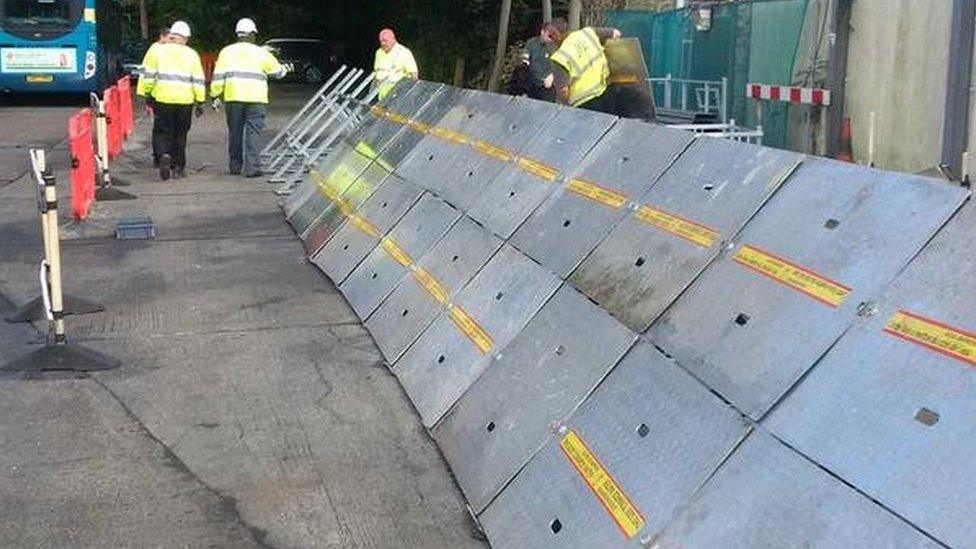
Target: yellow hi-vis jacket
[
  {"x": 242, "y": 71},
  {"x": 581, "y": 54},
  {"x": 173, "y": 75},
  {"x": 391, "y": 67}
]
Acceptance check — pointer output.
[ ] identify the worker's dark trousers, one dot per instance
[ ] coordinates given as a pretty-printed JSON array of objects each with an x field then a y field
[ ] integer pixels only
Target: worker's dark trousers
[
  {"x": 245, "y": 123},
  {"x": 172, "y": 123},
  {"x": 606, "y": 103}
]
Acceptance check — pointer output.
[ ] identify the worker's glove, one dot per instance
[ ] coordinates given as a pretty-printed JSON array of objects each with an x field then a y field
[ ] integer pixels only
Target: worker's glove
[
  {"x": 198, "y": 110},
  {"x": 289, "y": 67},
  {"x": 215, "y": 104},
  {"x": 548, "y": 80}
]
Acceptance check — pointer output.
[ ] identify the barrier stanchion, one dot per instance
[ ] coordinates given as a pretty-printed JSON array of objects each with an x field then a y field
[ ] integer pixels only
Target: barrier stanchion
[
  {"x": 52, "y": 303},
  {"x": 105, "y": 191}
]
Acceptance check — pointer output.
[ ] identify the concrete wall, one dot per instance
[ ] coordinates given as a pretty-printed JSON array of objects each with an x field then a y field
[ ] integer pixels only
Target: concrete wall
[{"x": 897, "y": 67}]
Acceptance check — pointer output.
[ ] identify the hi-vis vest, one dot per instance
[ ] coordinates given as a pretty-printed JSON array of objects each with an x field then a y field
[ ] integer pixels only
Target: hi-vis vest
[
  {"x": 242, "y": 71},
  {"x": 173, "y": 75},
  {"x": 391, "y": 67},
  {"x": 581, "y": 54}
]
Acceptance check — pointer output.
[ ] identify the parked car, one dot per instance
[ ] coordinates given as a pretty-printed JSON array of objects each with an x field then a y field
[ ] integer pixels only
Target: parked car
[{"x": 313, "y": 60}]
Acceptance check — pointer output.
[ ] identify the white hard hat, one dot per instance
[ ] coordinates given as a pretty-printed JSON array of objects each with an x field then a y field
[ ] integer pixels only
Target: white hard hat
[
  {"x": 180, "y": 28},
  {"x": 246, "y": 26}
]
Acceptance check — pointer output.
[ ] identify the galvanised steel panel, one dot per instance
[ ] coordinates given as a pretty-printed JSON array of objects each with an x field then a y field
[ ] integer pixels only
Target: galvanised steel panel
[
  {"x": 444, "y": 361},
  {"x": 618, "y": 170},
  {"x": 351, "y": 244},
  {"x": 892, "y": 412},
  {"x": 654, "y": 430},
  {"x": 340, "y": 178},
  {"x": 308, "y": 187},
  {"x": 516, "y": 192},
  {"x": 452, "y": 262},
  {"x": 405, "y": 142},
  {"x": 766, "y": 495},
  {"x": 702, "y": 201},
  {"x": 418, "y": 230},
  {"x": 539, "y": 378},
  {"x": 320, "y": 231},
  {"x": 379, "y": 131},
  {"x": 506, "y": 132},
  {"x": 831, "y": 239}
]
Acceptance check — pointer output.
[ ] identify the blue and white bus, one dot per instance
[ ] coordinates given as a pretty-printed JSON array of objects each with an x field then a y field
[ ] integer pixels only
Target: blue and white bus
[{"x": 58, "y": 46}]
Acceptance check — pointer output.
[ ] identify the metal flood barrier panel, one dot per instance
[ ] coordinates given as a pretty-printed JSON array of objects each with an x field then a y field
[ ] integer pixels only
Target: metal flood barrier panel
[
  {"x": 621, "y": 334},
  {"x": 818, "y": 253},
  {"x": 898, "y": 422},
  {"x": 769, "y": 496},
  {"x": 621, "y": 167},
  {"x": 679, "y": 226},
  {"x": 620, "y": 467},
  {"x": 451, "y": 354},
  {"x": 537, "y": 379},
  {"x": 437, "y": 277}
]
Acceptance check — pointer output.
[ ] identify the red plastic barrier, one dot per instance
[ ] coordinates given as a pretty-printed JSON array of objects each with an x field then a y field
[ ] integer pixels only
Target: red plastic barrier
[
  {"x": 113, "y": 118},
  {"x": 80, "y": 135},
  {"x": 125, "y": 105}
]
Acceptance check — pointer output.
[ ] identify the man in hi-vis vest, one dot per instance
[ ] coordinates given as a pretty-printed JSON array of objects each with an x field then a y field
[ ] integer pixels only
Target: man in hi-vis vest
[
  {"x": 580, "y": 69},
  {"x": 173, "y": 78},
  {"x": 393, "y": 63},
  {"x": 240, "y": 79}
]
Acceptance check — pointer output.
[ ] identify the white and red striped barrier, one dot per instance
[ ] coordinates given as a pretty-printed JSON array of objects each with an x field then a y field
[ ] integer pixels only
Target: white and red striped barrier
[{"x": 791, "y": 94}]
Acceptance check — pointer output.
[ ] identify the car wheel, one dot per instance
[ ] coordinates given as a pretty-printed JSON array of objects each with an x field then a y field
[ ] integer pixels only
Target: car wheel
[{"x": 313, "y": 75}]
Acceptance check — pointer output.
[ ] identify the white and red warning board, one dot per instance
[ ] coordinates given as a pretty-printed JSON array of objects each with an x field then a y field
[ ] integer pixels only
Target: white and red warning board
[{"x": 790, "y": 94}]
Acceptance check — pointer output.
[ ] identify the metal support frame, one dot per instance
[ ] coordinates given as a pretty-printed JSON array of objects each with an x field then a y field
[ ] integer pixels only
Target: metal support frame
[
  {"x": 703, "y": 90},
  {"x": 319, "y": 96},
  {"x": 955, "y": 127},
  {"x": 838, "y": 42}
]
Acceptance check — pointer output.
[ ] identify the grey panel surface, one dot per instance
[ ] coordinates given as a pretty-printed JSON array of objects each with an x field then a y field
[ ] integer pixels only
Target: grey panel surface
[
  {"x": 350, "y": 245},
  {"x": 656, "y": 431},
  {"x": 308, "y": 187},
  {"x": 768, "y": 496},
  {"x": 443, "y": 362},
  {"x": 895, "y": 418},
  {"x": 452, "y": 262},
  {"x": 342, "y": 175},
  {"x": 514, "y": 194},
  {"x": 418, "y": 230},
  {"x": 750, "y": 337},
  {"x": 404, "y": 143},
  {"x": 376, "y": 135},
  {"x": 628, "y": 160},
  {"x": 322, "y": 229},
  {"x": 539, "y": 378},
  {"x": 510, "y": 129},
  {"x": 639, "y": 269}
]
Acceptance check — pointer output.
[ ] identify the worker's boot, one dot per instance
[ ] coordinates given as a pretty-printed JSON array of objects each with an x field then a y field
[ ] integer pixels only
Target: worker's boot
[
  {"x": 178, "y": 173},
  {"x": 164, "y": 167}
]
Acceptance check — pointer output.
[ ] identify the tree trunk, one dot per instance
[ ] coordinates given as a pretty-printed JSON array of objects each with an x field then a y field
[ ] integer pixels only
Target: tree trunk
[
  {"x": 546, "y": 11},
  {"x": 575, "y": 13},
  {"x": 459, "y": 71},
  {"x": 501, "y": 46},
  {"x": 143, "y": 19}
]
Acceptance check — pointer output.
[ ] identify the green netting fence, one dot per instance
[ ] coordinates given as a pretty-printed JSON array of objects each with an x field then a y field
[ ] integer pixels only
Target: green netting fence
[{"x": 763, "y": 41}]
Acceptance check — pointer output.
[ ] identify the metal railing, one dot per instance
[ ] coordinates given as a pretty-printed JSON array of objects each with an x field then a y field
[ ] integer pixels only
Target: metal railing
[
  {"x": 725, "y": 130},
  {"x": 706, "y": 96}
]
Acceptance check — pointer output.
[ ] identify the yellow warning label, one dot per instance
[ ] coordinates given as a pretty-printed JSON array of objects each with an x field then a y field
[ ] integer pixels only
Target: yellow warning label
[
  {"x": 431, "y": 285},
  {"x": 397, "y": 118},
  {"x": 597, "y": 193},
  {"x": 364, "y": 226},
  {"x": 799, "y": 278},
  {"x": 449, "y": 135},
  {"x": 335, "y": 196},
  {"x": 493, "y": 151},
  {"x": 941, "y": 338},
  {"x": 678, "y": 226},
  {"x": 396, "y": 252},
  {"x": 378, "y": 110},
  {"x": 624, "y": 79},
  {"x": 604, "y": 487},
  {"x": 538, "y": 169},
  {"x": 418, "y": 126},
  {"x": 472, "y": 329}
]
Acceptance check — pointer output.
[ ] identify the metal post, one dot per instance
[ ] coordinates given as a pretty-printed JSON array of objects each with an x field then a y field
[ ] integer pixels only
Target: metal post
[
  {"x": 725, "y": 99},
  {"x": 838, "y": 39},
  {"x": 955, "y": 127},
  {"x": 667, "y": 91},
  {"x": 684, "y": 95}
]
